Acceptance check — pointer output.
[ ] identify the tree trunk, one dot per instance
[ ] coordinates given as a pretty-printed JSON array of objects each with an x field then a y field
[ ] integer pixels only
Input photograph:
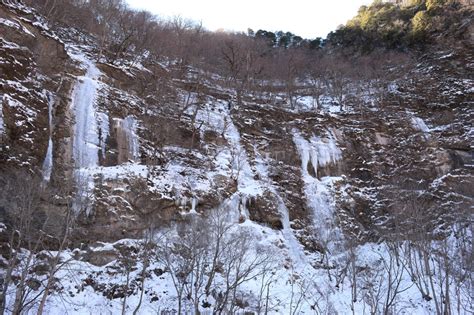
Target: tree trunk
[
  {"x": 124, "y": 304},
  {"x": 6, "y": 283},
  {"x": 430, "y": 276},
  {"x": 20, "y": 291},
  {"x": 137, "y": 308}
]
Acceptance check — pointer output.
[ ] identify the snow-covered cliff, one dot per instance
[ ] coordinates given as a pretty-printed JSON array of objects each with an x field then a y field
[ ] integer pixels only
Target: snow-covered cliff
[{"x": 215, "y": 200}]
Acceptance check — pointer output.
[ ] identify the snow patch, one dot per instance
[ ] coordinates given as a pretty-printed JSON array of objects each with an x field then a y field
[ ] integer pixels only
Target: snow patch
[
  {"x": 20, "y": 107},
  {"x": 393, "y": 88},
  {"x": 419, "y": 124},
  {"x": 10, "y": 45},
  {"x": 16, "y": 25},
  {"x": 217, "y": 117},
  {"x": 306, "y": 103},
  {"x": 122, "y": 171},
  {"x": 8, "y": 23}
]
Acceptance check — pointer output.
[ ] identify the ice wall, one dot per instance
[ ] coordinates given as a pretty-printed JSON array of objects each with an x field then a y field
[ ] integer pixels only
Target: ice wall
[
  {"x": 317, "y": 151},
  {"x": 86, "y": 136}
]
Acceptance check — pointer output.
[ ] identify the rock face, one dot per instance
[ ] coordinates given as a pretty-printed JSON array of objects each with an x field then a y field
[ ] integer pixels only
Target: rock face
[
  {"x": 264, "y": 209},
  {"x": 29, "y": 52},
  {"x": 368, "y": 147},
  {"x": 178, "y": 158},
  {"x": 305, "y": 179}
]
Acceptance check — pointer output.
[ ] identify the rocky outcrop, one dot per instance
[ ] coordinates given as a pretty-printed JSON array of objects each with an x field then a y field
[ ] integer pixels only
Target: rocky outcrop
[
  {"x": 264, "y": 209},
  {"x": 158, "y": 161}
]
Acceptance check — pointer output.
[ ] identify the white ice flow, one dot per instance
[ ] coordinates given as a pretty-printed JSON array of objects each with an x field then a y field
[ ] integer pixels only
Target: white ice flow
[
  {"x": 86, "y": 141},
  {"x": 86, "y": 138},
  {"x": 419, "y": 124},
  {"x": 127, "y": 137},
  {"x": 2, "y": 128},
  {"x": 48, "y": 160},
  {"x": 316, "y": 151},
  {"x": 320, "y": 198}
]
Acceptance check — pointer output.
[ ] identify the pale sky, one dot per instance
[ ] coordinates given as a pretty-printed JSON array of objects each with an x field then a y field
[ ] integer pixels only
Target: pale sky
[{"x": 307, "y": 18}]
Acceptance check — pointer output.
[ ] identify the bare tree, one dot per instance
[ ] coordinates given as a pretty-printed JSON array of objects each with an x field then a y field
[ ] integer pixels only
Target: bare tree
[
  {"x": 266, "y": 279},
  {"x": 338, "y": 80},
  {"x": 148, "y": 244},
  {"x": 210, "y": 248},
  {"x": 234, "y": 57},
  {"x": 21, "y": 194},
  {"x": 126, "y": 260},
  {"x": 220, "y": 226},
  {"x": 185, "y": 259},
  {"x": 186, "y": 37},
  {"x": 372, "y": 288},
  {"x": 111, "y": 12},
  {"x": 240, "y": 263},
  {"x": 241, "y": 58},
  {"x": 298, "y": 291},
  {"x": 394, "y": 276},
  {"x": 316, "y": 74},
  {"x": 63, "y": 238},
  {"x": 293, "y": 61}
]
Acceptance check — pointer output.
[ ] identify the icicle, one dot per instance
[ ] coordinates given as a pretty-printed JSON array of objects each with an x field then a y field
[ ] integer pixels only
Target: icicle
[
  {"x": 318, "y": 191},
  {"x": 2, "y": 127},
  {"x": 48, "y": 160},
  {"x": 326, "y": 150},
  {"x": 127, "y": 139},
  {"x": 130, "y": 126},
  {"x": 419, "y": 124},
  {"x": 193, "y": 205},
  {"x": 103, "y": 132}
]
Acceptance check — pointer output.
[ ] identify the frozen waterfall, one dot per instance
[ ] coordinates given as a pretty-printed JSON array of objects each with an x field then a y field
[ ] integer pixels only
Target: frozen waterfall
[
  {"x": 86, "y": 137},
  {"x": 86, "y": 141},
  {"x": 318, "y": 192}
]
